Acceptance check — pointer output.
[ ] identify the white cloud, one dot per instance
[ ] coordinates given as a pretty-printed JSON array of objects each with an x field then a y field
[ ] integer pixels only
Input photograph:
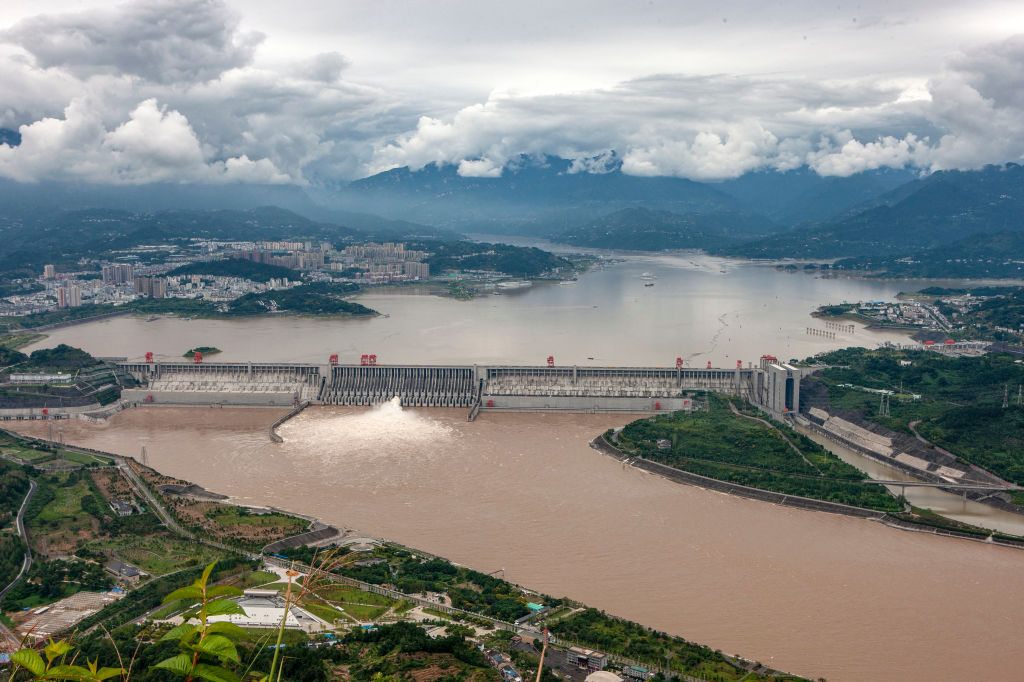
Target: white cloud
[
  {"x": 480, "y": 168},
  {"x": 854, "y": 156},
  {"x": 153, "y": 145},
  {"x": 167, "y": 90},
  {"x": 165, "y": 41}
]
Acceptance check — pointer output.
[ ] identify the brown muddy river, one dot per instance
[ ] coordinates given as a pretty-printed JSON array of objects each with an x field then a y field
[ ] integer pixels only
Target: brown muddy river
[{"x": 817, "y": 594}]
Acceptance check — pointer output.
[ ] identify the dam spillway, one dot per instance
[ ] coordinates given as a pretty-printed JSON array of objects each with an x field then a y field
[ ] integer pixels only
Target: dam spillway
[
  {"x": 476, "y": 387},
  {"x": 427, "y": 386}
]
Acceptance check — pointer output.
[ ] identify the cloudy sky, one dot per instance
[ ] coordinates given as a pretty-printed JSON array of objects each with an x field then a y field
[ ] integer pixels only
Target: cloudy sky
[{"x": 314, "y": 91}]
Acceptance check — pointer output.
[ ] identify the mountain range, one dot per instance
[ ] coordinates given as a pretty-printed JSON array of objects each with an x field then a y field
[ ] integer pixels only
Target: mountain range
[{"x": 871, "y": 218}]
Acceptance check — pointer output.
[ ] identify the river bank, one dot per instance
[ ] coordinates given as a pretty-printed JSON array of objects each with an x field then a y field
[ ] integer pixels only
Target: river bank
[
  {"x": 601, "y": 444},
  {"x": 526, "y": 493}
]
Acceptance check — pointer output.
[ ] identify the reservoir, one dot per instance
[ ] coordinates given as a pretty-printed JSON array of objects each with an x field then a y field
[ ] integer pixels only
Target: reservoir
[
  {"x": 818, "y": 594},
  {"x": 701, "y": 308}
]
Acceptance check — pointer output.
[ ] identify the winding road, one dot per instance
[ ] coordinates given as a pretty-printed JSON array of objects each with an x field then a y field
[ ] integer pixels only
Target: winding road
[{"x": 26, "y": 563}]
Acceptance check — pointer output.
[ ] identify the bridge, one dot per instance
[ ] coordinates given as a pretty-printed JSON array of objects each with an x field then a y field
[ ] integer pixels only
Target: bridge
[{"x": 576, "y": 388}]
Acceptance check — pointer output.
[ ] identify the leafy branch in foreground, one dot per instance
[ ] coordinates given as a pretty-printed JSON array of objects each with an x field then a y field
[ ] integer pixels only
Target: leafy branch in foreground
[
  {"x": 206, "y": 648},
  {"x": 56, "y": 667}
]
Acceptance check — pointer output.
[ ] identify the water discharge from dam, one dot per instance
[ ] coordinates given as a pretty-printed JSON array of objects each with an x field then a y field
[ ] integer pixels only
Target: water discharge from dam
[{"x": 815, "y": 593}]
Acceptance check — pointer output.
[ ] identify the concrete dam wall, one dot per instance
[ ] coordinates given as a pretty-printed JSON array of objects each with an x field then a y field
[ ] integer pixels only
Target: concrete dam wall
[
  {"x": 415, "y": 386},
  {"x": 475, "y": 387}
]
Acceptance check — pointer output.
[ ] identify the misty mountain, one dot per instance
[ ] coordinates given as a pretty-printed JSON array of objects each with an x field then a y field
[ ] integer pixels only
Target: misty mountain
[
  {"x": 546, "y": 197},
  {"x": 536, "y": 198},
  {"x": 647, "y": 230},
  {"x": 802, "y": 196},
  {"x": 941, "y": 209},
  {"x": 26, "y": 201},
  {"x": 32, "y": 204}
]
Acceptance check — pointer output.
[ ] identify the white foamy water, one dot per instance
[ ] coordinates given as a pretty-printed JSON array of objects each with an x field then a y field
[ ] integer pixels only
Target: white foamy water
[{"x": 367, "y": 443}]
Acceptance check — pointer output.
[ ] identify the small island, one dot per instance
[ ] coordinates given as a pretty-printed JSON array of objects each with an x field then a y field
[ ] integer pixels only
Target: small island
[{"x": 204, "y": 350}]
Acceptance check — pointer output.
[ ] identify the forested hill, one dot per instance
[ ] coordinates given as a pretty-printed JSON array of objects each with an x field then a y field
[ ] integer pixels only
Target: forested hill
[
  {"x": 518, "y": 261},
  {"x": 999, "y": 255},
  {"x": 938, "y": 210}
]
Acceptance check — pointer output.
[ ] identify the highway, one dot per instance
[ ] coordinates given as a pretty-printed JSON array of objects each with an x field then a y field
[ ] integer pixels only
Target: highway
[{"x": 26, "y": 564}]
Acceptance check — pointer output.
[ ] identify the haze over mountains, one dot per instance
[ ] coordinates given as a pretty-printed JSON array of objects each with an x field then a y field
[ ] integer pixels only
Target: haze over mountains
[{"x": 869, "y": 218}]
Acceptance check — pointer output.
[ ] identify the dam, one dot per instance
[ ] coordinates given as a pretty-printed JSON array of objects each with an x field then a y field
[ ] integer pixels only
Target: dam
[{"x": 771, "y": 384}]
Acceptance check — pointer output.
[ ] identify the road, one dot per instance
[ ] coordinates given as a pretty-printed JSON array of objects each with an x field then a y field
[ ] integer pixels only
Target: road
[
  {"x": 165, "y": 516},
  {"x": 26, "y": 563}
]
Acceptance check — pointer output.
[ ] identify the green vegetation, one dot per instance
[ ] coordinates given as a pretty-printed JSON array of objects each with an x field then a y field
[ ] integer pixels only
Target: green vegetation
[
  {"x": 150, "y": 595},
  {"x": 83, "y": 458},
  {"x": 363, "y": 613},
  {"x": 517, "y": 261},
  {"x": 257, "y": 579},
  {"x": 59, "y": 315},
  {"x": 16, "y": 341},
  {"x": 353, "y": 595},
  {"x": 157, "y": 554},
  {"x": 622, "y": 637},
  {"x": 205, "y": 350},
  {"x": 238, "y": 267},
  {"x": 49, "y": 581},
  {"x": 730, "y": 447},
  {"x": 202, "y": 650},
  {"x": 231, "y": 515},
  {"x": 960, "y": 404},
  {"x": 61, "y": 357},
  {"x": 463, "y": 291},
  {"x": 309, "y": 299},
  {"x": 936, "y": 221},
  {"x": 14, "y": 485},
  {"x": 978, "y": 256}
]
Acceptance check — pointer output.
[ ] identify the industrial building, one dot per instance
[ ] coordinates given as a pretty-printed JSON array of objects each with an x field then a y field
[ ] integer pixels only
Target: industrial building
[{"x": 586, "y": 658}]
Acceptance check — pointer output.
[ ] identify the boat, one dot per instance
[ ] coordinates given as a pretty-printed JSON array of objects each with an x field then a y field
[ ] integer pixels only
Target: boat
[{"x": 648, "y": 284}]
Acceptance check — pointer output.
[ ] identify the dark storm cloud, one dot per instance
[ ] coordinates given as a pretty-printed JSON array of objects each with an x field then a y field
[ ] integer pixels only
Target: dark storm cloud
[{"x": 165, "y": 41}]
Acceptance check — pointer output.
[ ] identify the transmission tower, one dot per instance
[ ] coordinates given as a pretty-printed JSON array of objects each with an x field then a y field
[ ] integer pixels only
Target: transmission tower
[
  {"x": 1020, "y": 395},
  {"x": 883, "y": 405},
  {"x": 144, "y": 458},
  {"x": 1006, "y": 395}
]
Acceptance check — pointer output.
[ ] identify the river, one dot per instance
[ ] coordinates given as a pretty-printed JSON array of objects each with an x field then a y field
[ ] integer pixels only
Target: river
[
  {"x": 700, "y": 308},
  {"x": 818, "y": 594}
]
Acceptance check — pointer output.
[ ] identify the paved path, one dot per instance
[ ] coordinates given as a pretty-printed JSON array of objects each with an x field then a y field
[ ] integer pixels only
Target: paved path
[{"x": 25, "y": 565}]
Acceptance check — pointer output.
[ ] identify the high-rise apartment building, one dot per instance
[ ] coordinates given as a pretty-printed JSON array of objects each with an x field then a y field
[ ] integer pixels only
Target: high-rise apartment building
[{"x": 118, "y": 273}]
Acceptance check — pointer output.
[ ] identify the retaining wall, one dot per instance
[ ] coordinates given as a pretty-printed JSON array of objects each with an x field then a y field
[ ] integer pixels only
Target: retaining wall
[
  {"x": 139, "y": 395},
  {"x": 547, "y": 403}
]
